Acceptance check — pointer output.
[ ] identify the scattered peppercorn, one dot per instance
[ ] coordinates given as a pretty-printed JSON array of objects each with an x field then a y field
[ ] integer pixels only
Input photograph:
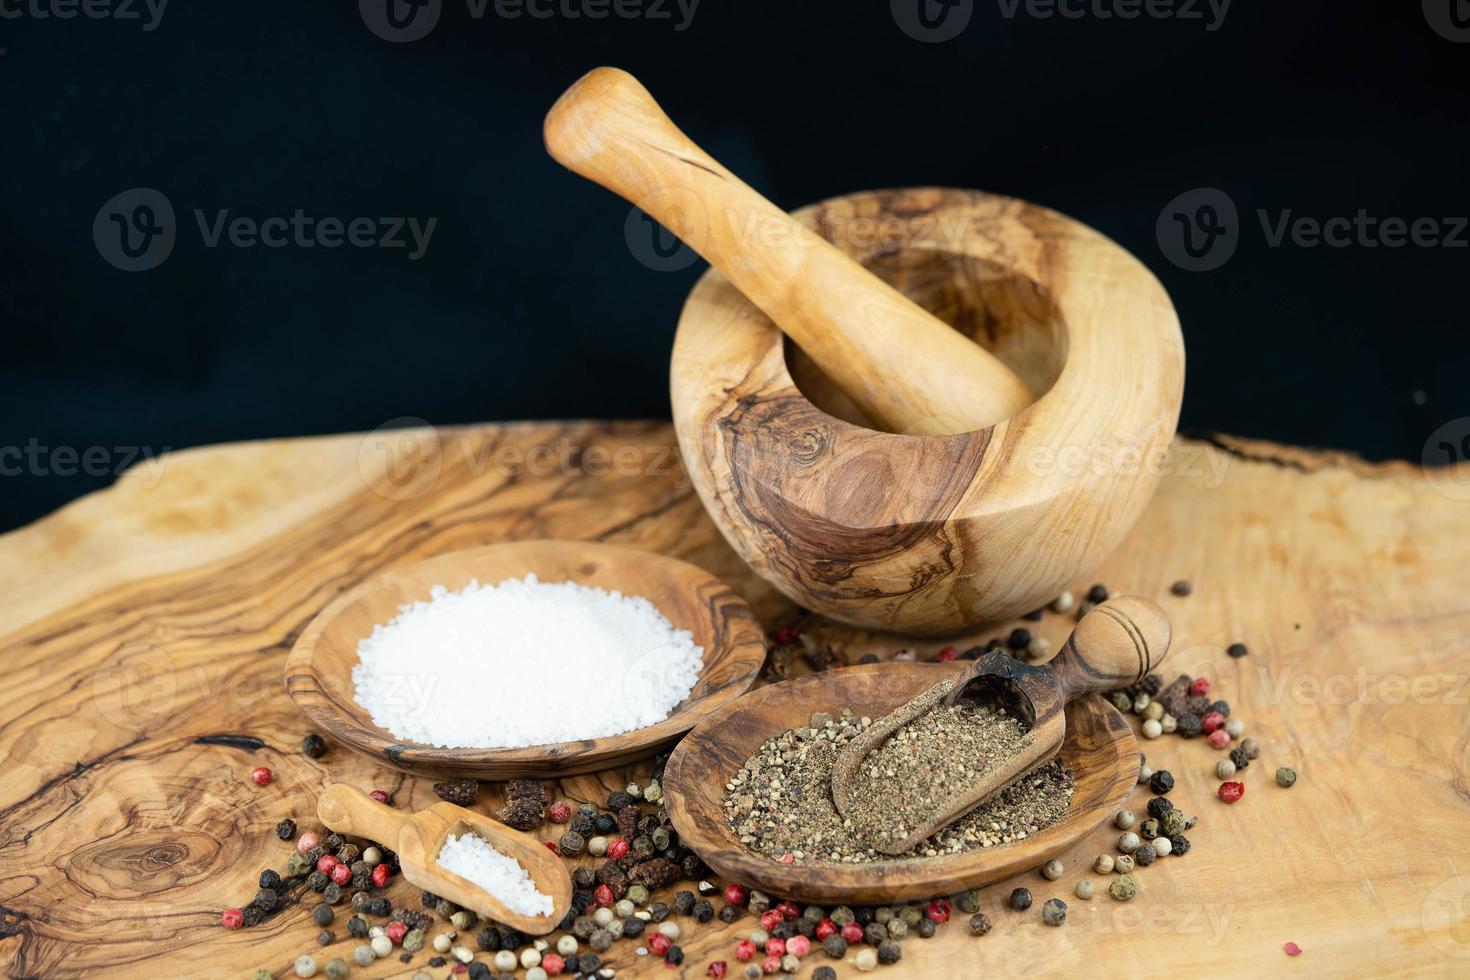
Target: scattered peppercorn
[
  {"x": 1240, "y": 756},
  {"x": 382, "y": 796},
  {"x": 979, "y": 924},
  {"x": 1182, "y": 587},
  {"x": 314, "y": 746},
  {"x": 1020, "y": 899},
  {"x": 1123, "y": 888},
  {"x": 1098, "y": 593},
  {"x": 232, "y": 918},
  {"x": 1054, "y": 912},
  {"x": 1180, "y": 844},
  {"x": 460, "y": 792},
  {"x": 1237, "y": 650},
  {"x": 1085, "y": 889},
  {"x": 1285, "y": 777},
  {"x": 1052, "y": 870},
  {"x": 260, "y": 776},
  {"x": 1161, "y": 781},
  {"x": 889, "y": 952},
  {"x": 286, "y": 829},
  {"x": 1158, "y": 806}
]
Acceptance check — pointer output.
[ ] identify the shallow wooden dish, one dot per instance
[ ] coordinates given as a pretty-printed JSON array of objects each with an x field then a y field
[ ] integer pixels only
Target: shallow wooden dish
[
  {"x": 1099, "y": 748},
  {"x": 319, "y": 668}
]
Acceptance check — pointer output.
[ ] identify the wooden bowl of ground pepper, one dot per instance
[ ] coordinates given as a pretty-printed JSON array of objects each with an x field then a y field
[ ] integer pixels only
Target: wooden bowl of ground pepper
[{"x": 1098, "y": 761}]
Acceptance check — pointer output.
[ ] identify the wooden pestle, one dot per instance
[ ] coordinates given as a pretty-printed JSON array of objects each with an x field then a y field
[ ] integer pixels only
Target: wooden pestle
[
  {"x": 908, "y": 370},
  {"x": 1117, "y": 644}
]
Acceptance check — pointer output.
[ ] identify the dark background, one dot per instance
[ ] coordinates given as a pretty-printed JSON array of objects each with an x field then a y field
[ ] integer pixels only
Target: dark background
[{"x": 529, "y": 302}]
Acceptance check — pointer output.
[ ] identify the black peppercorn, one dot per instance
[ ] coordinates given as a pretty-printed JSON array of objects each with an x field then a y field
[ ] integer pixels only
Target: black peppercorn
[
  {"x": 605, "y": 824},
  {"x": 1021, "y": 899},
  {"x": 1223, "y": 707},
  {"x": 587, "y": 963},
  {"x": 322, "y": 915},
  {"x": 1158, "y": 806},
  {"x": 1240, "y": 757},
  {"x": 1161, "y": 781},
  {"x": 1019, "y": 639},
  {"x": 729, "y": 913},
  {"x": 867, "y": 658},
  {"x": 862, "y": 915},
  {"x": 979, "y": 924},
  {"x": 873, "y": 933},
  {"x": 834, "y": 946},
  {"x": 825, "y": 972},
  {"x": 488, "y": 940},
  {"x": 1180, "y": 844},
  {"x": 583, "y": 825},
  {"x": 889, "y": 952},
  {"x": 326, "y": 937},
  {"x": 1189, "y": 726},
  {"x": 267, "y": 899},
  {"x": 332, "y": 894},
  {"x": 674, "y": 956},
  {"x": 658, "y": 912},
  {"x": 1145, "y": 855},
  {"x": 683, "y": 903},
  {"x": 252, "y": 914},
  {"x": 583, "y": 877},
  {"x": 1034, "y": 615},
  {"x": 703, "y": 911},
  {"x": 1182, "y": 587},
  {"x": 1237, "y": 650},
  {"x": 357, "y": 927},
  {"x": 379, "y": 907},
  {"x": 1098, "y": 593},
  {"x": 633, "y": 927},
  {"x": 693, "y": 867},
  {"x": 926, "y": 928},
  {"x": 483, "y": 973},
  {"x": 362, "y": 881},
  {"x": 437, "y": 961},
  {"x": 618, "y": 799},
  {"x": 286, "y": 829},
  {"x": 270, "y": 879},
  {"x": 317, "y": 880}
]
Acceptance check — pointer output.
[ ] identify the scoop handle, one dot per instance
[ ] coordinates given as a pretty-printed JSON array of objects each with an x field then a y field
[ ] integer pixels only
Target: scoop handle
[
  {"x": 907, "y": 369},
  {"x": 1117, "y": 644},
  {"x": 348, "y": 810}
]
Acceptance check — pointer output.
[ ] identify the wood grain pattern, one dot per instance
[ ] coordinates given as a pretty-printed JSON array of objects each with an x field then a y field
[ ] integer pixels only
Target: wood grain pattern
[
  {"x": 1100, "y": 750},
  {"x": 145, "y": 629},
  {"x": 319, "y": 668},
  {"x": 927, "y": 533},
  {"x": 418, "y": 838},
  {"x": 609, "y": 129}
]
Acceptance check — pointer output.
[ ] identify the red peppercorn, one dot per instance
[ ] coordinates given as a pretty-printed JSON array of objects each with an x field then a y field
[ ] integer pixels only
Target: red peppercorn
[
  {"x": 341, "y": 875},
  {"x": 789, "y": 911},
  {"x": 307, "y": 841},
  {"x": 771, "y": 964},
  {"x": 745, "y": 951},
  {"x": 382, "y": 796},
  {"x": 798, "y": 946},
  {"x": 770, "y": 919},
  {"x": 553, "y": 964},
  {"x": 602, "y": 896},
  {"x": 1199, "y": 686},
  {"x": 938, "y": 910},
  {"x": 1212, "y": 721},
  {"x": 559, "y": 813},
  {"x": 232, "y": 918},
  {"x": 776, "y": 947},
  {"x": 1231, "y": 791},
  {"x": 716, "y": 969},
  {"x": 617, "y": 850},
  {"x": 1292, "y": 949},
  {"x": 852, "y": 932},
  {"x": 326, "y": 863},
  {"x": 826, "y": 928},
  {"x": 785, "y": 634},
  {"x": 261, "y": 776},
  {"x": 459, "y": 968},
  {"x": 395, "y": 932},
  {"x": 1219, "y": 738},
  {"x": 552, "y": 847},
  {"x": 786, "y": 858},
  {"x": 947, "y": 654},
  {"x": 381, "y": 874},
  {"x": 658, "y": 944},
  {"x": 736, "y": 895}
]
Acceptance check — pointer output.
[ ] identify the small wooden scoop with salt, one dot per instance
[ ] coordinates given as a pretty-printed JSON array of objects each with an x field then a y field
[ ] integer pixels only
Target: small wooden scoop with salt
[{"x": 1115, "y": 645}]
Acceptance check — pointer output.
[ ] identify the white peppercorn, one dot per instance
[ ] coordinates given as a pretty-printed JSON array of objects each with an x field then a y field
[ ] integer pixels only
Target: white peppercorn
[
  {"x": 1235, "y": 728},
  {"x": 462, "y": 953},
  {"x": 372, "y": 856},
  {"x": 1104, "y": 864},
  {"x": 1163, "y": 846},
  {"x": 306, "y": 966},
  {"x": 505, "y": 961},
  {"x": 624, "y": 908},
  {"x": 1152, "y": 729},
  {"x": 603, "y": 916},
  {"x": 363, "y": 954},
  {"x": 530, "y": 957},
  {"x": 1144, "y": 774},
  {"x": 1123, "y": 864},
  {"x": 1169, "y": 723},
  {"x": 597, "y": 846},
  {"x": 1154, "y": 711},
  {"x": 1224, "y": 769},
  {"x": 1052, "y": 870},
  {"x": 1063, "y": 602},
  {"x": 567, "y": 946},
  {"x": 1085, "y": 889},
  {"x": 1141, "y": 703},
  {"x": 1124, "y": 820},
  {"x": 382, "y": 945},
  {"x": 536, "y": 973},
  {"x": 442, "y": 942},
  {"x": 1128, "y": 842},
  {"x": 1038, "y": 648},
  {"x": 670, "y": 929}
]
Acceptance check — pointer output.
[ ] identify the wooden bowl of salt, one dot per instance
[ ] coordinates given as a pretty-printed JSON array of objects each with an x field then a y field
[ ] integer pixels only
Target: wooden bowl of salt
[{"x": 319, "y": 670}]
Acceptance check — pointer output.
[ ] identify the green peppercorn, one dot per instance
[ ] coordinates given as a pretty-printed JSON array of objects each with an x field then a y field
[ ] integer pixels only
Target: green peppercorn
[
  {"x": 840, "y": 916},
  {"x": 1121, "y": 701},
  {"x": 898, "y": 929},
  {"x": 968, "y": 902},
  {"x": 336, "y": 968},
  {"x": 1123, "y": 888},
  {"x": 1285, "y": 777},
  {"x": 910, "y": 915},
  {"x": 1054, "y": 912}
]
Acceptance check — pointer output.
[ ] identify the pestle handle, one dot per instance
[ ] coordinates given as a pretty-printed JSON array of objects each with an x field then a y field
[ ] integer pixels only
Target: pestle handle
[
  {"x": 1117, "y": 644},
  {"x": 907, "y": 369},
  {"x": 348, "y": 810}
]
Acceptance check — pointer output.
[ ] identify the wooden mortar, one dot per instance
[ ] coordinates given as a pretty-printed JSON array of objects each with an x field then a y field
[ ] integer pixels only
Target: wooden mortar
[{"x": 934, "y": 534}]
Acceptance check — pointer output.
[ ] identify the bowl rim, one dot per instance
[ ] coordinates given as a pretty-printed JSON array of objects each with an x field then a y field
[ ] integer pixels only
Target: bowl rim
[
  {"x": 907, "y": 877},
  {"x": 743, "y": 648}
]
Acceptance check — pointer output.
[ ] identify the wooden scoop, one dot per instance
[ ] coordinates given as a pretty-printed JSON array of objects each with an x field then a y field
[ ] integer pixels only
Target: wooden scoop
[
  {"x": 1115, "y": 645},
  {"x": 417, "y": 838},
  {"x": 906, "y": 369}
]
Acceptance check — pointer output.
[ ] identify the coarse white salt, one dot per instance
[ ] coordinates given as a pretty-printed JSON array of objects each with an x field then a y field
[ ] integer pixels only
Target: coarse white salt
[
  {"x": 523, "y": 663},
  {"x": 471, "y": 856}
]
